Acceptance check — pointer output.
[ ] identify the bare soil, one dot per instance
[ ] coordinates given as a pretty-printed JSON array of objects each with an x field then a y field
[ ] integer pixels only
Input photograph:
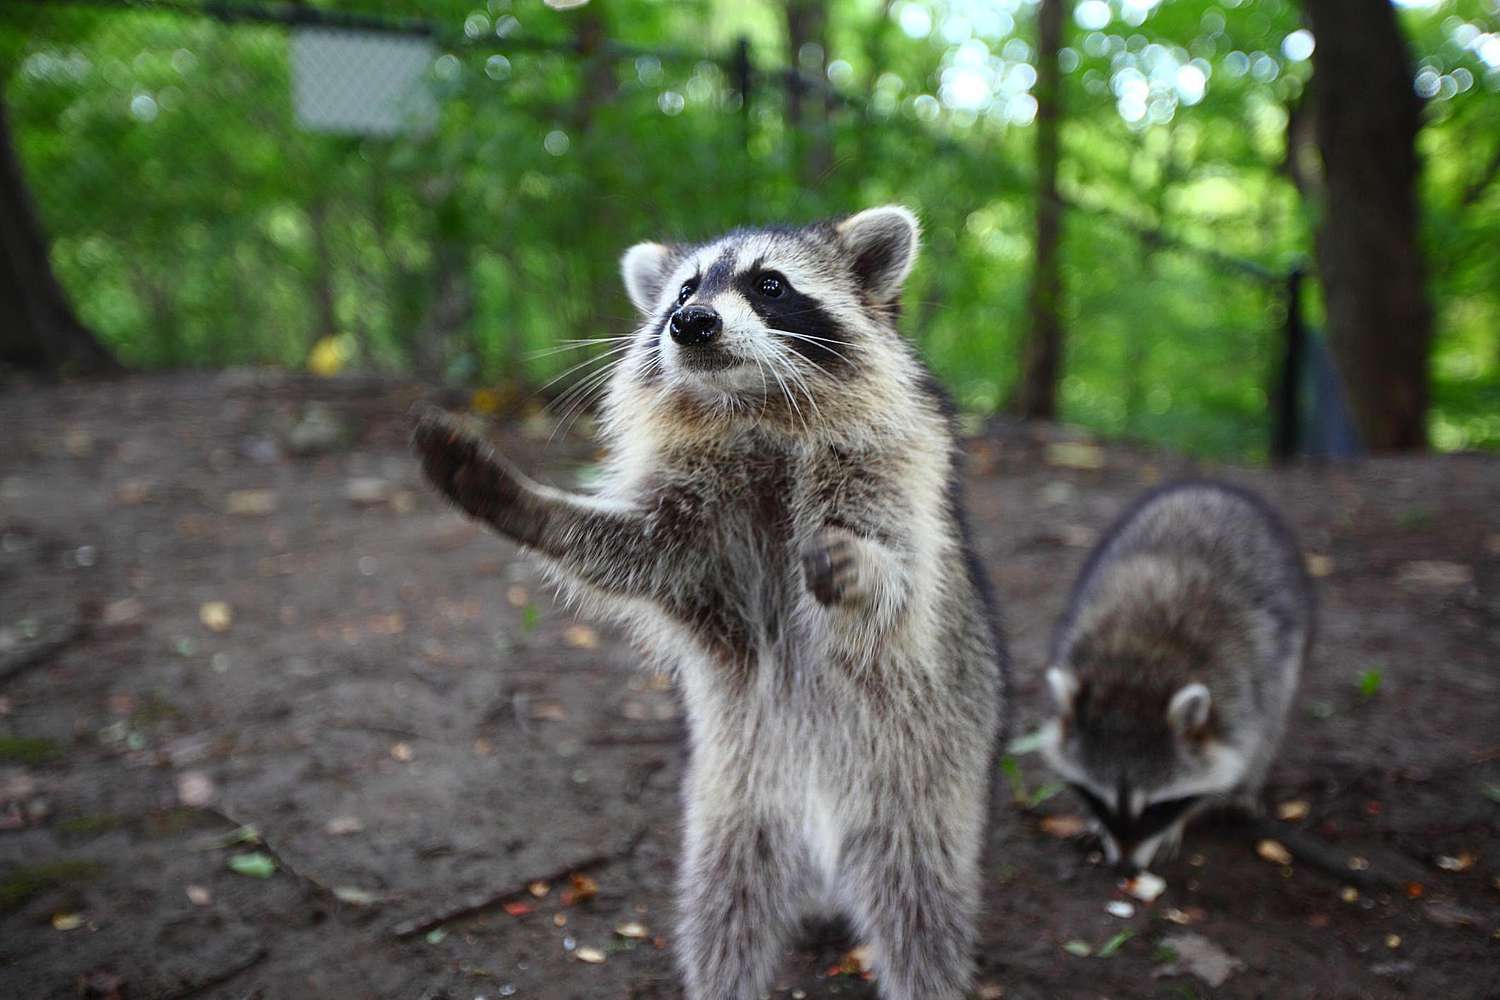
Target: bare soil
[{"x": 201, "y": 631}]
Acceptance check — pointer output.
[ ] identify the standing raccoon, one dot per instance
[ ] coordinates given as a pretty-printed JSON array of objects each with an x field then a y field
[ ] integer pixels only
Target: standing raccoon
[
  {"x": 780, "y": 527},
  {"x": 1176, "y": 663}
]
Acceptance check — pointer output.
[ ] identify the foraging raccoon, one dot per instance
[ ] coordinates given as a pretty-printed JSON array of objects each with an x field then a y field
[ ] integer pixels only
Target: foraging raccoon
[
  {"x": 780, "y": 527},
  {"x": 1176, "y": 663}
]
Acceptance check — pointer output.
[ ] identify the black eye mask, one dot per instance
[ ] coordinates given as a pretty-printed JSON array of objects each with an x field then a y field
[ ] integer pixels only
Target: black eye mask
[{"x": 1128, "y": 830}]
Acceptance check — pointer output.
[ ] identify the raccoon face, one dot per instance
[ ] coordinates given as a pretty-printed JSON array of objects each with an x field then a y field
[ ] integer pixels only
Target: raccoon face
[
  {"x": 1142, "y": 762},
  {"x": 769, "y": 322}
]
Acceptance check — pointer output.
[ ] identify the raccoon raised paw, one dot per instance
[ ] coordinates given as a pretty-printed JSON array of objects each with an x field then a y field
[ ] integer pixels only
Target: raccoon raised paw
[
  {"x": 462, "y": 466},
  {"x": 830, "y": 565}
]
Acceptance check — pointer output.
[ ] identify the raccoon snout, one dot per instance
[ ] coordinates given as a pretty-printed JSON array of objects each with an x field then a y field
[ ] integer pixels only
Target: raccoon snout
[{"x": 693, "y": 326}]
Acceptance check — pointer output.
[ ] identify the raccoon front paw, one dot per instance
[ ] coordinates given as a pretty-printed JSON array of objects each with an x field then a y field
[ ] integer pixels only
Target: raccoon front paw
[
  {"x": 830, "y": 567},
  {"x": 462, "y": 466}
]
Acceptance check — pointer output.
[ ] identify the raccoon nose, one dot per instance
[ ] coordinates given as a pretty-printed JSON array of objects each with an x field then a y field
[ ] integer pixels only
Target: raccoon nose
[
  {"x": 1127, "y": 868},
  {"x": 695, "y": 325}
]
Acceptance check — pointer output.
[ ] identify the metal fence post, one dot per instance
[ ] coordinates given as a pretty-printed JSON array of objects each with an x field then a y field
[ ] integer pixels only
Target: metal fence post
[
  {"x": 1286, "y": 424},
  {"x": 743, "y": 80}
]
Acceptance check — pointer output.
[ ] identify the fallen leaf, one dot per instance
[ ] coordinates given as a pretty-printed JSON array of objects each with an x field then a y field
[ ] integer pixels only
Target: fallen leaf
[
  {"x": 124, "y": 611},
  {"x": 856, "y": 962},
  {"x": 1119, "y": 908},
  {"x": 1198, "y": 956},
  {"x": 1023, "y": 745},
  {"x": 559, "y": 920},
  {"x": 67, "y": 921},
  {"x": 1446, "y": 914},
  {"x": 1064, "y": 827},
  {"x": 195, "y": 789},
  {"x": 251, "y": 503},
  {"x": 1319, "y": 565},
  {"x": 1292, "y": 811},
  {"x": 367, "y": 491},
  {"x": 199, "y": 895},
  {"x": 435, "y": 936},
  {"x": 1185, "y": 918},
  {"x": 1115, "y": 943},
  {"x": 1432, "y": 574},
  {"x": 216, "y": 616},
  {"x": 581, "y": 637},
  {"x": 1349, "y": 894},
  {"x": 1274, "y": 852},
  {"x": 581, "y": 888},
  {"x": 1393, "y": 941},
  {"x": 402, "y": 752},
  {"x": 593, "y": 956},
  {"x": 516, "y": 908},
  {"x": 549, "y": 711},
  {"x": 517, "y": 596},
  {"x": 354, "y": 895},
  {"x": 256, "y": 864},
  {"x": 538, "y": 889},
  {"x": 1462, "y": 863},
  {"x": 1074, "y": 455},
  {"x": 1359, "y": 864},
  {"x": 633, "y": 930},
  {"x": 133, "y": 492},
  {"x": 1146, "y": 886},
  {"x": 341, "y": 826},
  {"x": 78, "y": 442},
  {"x": 1080, "y": 949}
]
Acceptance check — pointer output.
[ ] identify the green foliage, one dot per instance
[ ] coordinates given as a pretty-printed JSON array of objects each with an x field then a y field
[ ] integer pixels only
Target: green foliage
[
  {"x": 22, "y": 750},
  {"x": 22, "y": 882},
  {"x": 193, "y": 222}
]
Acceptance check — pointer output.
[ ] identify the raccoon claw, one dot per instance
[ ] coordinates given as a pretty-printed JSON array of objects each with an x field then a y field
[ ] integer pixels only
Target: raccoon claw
[
  {"x": 461, "y": 466},
  {"x": 828, "y": 565}
]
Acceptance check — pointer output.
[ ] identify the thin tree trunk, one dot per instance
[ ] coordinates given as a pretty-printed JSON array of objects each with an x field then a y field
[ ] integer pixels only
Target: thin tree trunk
[
  {"x": 38, "y": 328},
  {"x": 1369, "y": 253},
  {"x": 1041, "y": 353},
  {"x": 807, "y": 109}
]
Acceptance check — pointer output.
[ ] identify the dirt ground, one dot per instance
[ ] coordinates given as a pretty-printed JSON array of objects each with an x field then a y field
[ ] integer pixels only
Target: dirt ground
[{"x": 226, "y": 603}]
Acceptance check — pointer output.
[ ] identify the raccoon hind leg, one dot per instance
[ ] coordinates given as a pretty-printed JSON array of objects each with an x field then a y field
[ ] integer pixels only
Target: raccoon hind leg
[
  {"x": 915, "y": 897},
  {"x": 740, "y": 901}
]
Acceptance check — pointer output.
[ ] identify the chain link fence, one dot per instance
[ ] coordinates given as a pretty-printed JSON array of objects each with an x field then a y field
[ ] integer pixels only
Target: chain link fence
[{"x": 231, "y": 183}]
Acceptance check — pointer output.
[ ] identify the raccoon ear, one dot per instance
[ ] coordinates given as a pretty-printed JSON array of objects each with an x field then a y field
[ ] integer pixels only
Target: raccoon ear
[
  {"x": 644, "y": 268},
  {"x": 1188, "y": 710},
  {"x": 1064, "y": 687},
  {"x": 883, "y": 242}
]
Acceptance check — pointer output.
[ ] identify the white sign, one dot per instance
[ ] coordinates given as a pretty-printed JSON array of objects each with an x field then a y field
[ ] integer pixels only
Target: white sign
[{"x": 362, "y": 82}]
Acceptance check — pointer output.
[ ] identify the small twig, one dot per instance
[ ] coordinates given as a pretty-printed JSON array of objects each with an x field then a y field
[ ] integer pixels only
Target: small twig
[
  {"x": 1320, "y": 855},
  {"x": 484, "y": 901},
  {"x": 675, "y": 735},
  {"x": 221, "y": 977},
  {"x": 15, "y": 664},
  {"x": 281, "y": 861}
]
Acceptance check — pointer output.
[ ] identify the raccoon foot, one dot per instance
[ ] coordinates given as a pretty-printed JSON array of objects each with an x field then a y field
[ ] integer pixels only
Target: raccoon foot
[
  {"x": 463, "y": 467},
  {"x": 830, "y": 566}
]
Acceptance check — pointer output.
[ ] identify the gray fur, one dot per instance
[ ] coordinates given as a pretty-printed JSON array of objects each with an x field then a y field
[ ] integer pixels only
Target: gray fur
[
  {"x": 1177, "y": 662},
  {"x": 785, "y": 537}
]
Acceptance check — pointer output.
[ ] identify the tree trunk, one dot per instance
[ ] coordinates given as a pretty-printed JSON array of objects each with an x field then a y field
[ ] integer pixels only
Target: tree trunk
[
  {"x": 1041, "y": 353},
  {"x": 807, "y": 107},
  {"x": 1369, "y": 253},
  {"x": 38, "y": 329}
]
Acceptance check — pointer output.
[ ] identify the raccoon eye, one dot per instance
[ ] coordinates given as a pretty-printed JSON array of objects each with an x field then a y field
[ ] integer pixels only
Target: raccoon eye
[
  {"x": 771, "y": 285},
  {"x": 686, "y": 291}
]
